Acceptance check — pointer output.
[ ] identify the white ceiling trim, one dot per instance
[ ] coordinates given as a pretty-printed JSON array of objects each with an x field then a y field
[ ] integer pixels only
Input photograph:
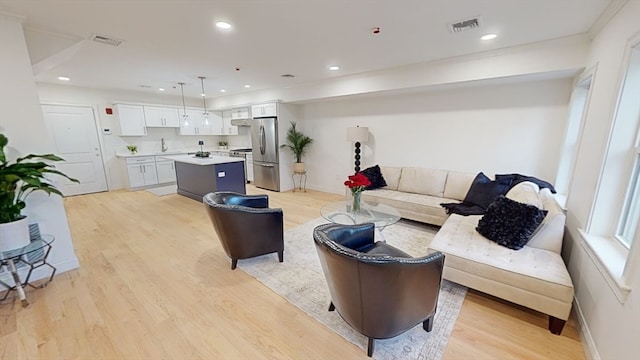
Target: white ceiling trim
[
  {"x": 56, "y": 59},
  {"x": 606, "y": 16},
  {"x": 12, "y": 17}
]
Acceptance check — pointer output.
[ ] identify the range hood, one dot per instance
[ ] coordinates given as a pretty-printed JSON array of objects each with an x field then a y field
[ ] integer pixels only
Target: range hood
[{"x": 241, "y": 122}]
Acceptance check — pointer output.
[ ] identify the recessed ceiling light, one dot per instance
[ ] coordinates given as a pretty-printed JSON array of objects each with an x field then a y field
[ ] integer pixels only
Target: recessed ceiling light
[
  {"x": 160, "y": 89},
  {"x": 223, "y": 91},
  {"x": 223, "y": 25},
  {"x": 334, "y": 68},
  {"x": 63, "y": 78},
  {"x": 247, "y": 86},
  {"x": 488, "y": 37}
]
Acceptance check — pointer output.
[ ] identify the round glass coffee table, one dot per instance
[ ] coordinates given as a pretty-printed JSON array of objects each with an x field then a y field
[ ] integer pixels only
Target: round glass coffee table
[{"x": 380, "y": 215}]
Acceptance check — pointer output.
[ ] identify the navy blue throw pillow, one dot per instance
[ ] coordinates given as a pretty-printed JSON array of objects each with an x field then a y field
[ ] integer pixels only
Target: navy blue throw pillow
[
  {"x": 375, "y": 176},
  {"x": 483, "y": 191},
  {"x": 510, "y": 223}
]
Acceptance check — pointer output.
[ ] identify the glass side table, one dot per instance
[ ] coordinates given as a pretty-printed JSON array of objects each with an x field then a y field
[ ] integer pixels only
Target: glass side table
[
  {"x": 30, "y": 257},
  {"x": 381, "y": 215}
]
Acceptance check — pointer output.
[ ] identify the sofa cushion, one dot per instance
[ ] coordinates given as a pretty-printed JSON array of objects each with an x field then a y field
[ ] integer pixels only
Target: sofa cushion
[
  {"x": 526, "y": 193},
  {"x": 531, "y": 269},
  {"x": 483, "y": 191},
  {"x": 550, "y": 233},
  {"x": 457, "y": 185},
  {"x": 391, "y": 176},
  {"x": 510, "y": 223},
  {"x": 375, "y": 177},
  {"x": 422, "y": 181}
]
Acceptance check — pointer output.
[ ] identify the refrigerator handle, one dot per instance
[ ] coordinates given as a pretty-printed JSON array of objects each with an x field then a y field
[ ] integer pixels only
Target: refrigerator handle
[
  {"x": 262, "y": 140},
  {"x": 266, "y": 165}
]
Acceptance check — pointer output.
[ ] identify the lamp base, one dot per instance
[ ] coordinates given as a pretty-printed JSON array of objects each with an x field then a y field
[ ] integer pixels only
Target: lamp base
[{"x": 357, "y": 158}]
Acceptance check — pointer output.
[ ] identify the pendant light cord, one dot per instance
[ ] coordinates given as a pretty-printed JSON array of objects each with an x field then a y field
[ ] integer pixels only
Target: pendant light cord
[
  {"x": 204, "y": 101},
  {"x": 184, "y": 107}
]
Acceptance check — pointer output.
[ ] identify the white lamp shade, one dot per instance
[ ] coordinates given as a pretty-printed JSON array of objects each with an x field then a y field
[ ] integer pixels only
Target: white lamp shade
[{"x": 358, "y": 134}]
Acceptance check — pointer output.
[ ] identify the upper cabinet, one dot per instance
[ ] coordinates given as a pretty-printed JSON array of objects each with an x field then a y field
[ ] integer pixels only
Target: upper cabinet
[
  {"x": 264, "y": 110},
  {"x": 227, "y": 128},
  {"x": 156, "y": 116},
  {"x": 131, "y": 119},
  {"x": 240, "y": 114}
]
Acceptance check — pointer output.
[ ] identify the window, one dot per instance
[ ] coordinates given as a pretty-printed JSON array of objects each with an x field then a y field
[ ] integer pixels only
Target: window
[
  {"x": 628, "y": 118},
  {"x": 613, "y": 222},
  {"x": 569, "y": 151},
  {"x": 631, "y": 210}
]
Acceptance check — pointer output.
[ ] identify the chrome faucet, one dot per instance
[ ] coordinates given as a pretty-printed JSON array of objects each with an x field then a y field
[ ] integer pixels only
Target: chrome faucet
[{"x": 164, "y": 145}]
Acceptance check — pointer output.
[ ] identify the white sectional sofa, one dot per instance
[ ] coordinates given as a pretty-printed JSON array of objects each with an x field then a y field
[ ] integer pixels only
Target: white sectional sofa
[
  {"x": 418, "y": 192},
  {"x": 534, "y": 276}
]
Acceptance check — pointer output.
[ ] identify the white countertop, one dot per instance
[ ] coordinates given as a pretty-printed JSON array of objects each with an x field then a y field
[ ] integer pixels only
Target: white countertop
[
  {"x": 167, "y": 153},
  {"x": 211, "y": 160}
]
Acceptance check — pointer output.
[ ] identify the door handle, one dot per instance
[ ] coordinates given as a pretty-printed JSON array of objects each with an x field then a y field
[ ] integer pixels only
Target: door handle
[
  {"x": 262, "y": 139},
  {"x": 266, "y": 165}
]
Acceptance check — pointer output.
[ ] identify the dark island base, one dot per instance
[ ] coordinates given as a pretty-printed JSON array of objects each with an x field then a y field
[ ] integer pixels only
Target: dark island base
[{"x": 194, "y": 181}]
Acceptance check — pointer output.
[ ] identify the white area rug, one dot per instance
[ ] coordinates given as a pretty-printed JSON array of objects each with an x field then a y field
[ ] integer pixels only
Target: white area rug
[
  {"x": 300, "y": 280},
  {"x": 164, "y": 190}
]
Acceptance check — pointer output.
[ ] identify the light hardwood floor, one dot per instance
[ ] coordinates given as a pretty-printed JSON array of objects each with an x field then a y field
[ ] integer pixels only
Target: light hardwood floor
[{"x": 154, "y": 283}]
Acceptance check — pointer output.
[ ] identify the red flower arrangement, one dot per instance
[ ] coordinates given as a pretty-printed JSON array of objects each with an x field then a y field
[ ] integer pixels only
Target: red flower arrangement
[{"x": 357, "y": 182}]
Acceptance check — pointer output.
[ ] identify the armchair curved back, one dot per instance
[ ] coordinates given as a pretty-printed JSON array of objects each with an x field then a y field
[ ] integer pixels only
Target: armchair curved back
[
  {"x": 379, "y": 290},
  {"x": 245, "y": 224}
]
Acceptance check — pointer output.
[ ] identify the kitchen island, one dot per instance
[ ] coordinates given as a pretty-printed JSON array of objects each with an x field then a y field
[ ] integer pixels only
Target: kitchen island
[{"x": 197, "y": 176}]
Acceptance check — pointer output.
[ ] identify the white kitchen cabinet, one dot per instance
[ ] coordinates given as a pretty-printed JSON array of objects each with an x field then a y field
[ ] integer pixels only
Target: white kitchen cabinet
[
  {"x": 227, "y": 128},
  {"x": 141, "y": 171},
  {"x": 198, "y": 125},
  {"x": 166, "y": 170},
  {"x": 264, "y": 110},
  {"x": 156, "y": 116},
  {"x": 240, "y": 113},
  {"x": 131, "y": 119}
]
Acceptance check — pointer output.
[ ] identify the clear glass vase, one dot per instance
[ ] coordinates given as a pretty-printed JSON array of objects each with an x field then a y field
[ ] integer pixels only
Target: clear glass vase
[{"x": 355, "y": 205}]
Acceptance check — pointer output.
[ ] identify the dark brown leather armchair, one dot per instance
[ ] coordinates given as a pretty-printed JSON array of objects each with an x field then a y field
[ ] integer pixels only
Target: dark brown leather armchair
[
  {"x": 376, "y": 288},
  {"x": 245, "y": 225}
]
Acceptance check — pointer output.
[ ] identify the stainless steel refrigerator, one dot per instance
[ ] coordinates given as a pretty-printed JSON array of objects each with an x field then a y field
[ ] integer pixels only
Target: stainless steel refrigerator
[{"x": 264, "y": 142}]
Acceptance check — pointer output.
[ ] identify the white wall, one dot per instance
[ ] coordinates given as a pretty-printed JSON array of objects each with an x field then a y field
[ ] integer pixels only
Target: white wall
[
  {"x": 113, "y": 144},
  {"x": 495, "y": 129},
  {"x": 22, "y": 122},
  {"x": 611, "y": 327}
]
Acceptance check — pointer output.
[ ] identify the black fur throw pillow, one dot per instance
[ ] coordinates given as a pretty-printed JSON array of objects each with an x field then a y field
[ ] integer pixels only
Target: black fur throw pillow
[
  {"x": 510, "y": 223},
  {"x": 375, "y": 176}
]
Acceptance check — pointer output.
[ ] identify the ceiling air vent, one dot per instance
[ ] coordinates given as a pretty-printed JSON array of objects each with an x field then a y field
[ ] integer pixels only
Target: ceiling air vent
[
  {"x": 463, "y": 25},
  {"x": 288, "y": 75},
  {"x": 106, "y": 40}
]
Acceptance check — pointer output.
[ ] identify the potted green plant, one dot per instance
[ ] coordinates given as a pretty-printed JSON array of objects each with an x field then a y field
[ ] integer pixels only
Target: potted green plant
[
  {"x": 132, "y": 149},
  {"x": 298, "y": 143},
  {"x": 18, "y": 180},
  {"x": 222, "y": 145}
]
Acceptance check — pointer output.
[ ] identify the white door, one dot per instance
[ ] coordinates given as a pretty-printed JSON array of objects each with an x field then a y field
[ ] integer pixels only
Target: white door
[{"x": 75, "y": 135}]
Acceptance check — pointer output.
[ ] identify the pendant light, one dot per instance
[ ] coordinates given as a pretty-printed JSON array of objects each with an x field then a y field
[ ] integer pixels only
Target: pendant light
[
  {"x": 185, "y": 116},
  {"x": 205, "y": 113}
]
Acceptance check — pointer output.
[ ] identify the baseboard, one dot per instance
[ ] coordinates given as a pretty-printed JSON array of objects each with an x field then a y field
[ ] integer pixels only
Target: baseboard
[{"x": 590, "y": 350}]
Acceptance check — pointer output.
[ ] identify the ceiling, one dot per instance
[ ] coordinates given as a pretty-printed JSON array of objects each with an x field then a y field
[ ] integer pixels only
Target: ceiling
[{"x": 167, "y": 42}]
